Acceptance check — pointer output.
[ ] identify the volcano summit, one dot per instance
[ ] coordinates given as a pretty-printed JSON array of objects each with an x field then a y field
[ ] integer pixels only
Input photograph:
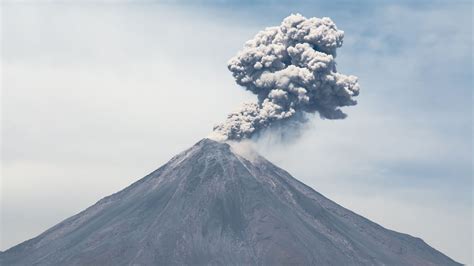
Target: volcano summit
[{"x": 211, "y": 206}]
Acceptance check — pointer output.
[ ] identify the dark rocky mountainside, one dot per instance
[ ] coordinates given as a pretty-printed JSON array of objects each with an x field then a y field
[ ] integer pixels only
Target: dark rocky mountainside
[{"x": 209, "y": 205}]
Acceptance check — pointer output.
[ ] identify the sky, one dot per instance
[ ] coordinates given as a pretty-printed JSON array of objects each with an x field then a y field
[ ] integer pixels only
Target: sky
[{"x": 95, "y": 95}]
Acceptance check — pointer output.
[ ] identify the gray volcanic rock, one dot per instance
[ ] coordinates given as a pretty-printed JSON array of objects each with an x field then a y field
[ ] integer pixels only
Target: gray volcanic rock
[{"x": 211, "y": 206}]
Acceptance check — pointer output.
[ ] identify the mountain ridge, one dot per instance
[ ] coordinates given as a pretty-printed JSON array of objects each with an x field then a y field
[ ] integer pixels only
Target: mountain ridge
[{"x": 210, "y": 205}]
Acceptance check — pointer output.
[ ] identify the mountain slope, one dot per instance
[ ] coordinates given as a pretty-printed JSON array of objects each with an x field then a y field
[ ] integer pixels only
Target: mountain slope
[{"x": 209, "y": 205}]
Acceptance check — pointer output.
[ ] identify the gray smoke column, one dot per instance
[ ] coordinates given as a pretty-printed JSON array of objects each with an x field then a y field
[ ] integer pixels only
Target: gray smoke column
[{"x": 291, "y": 68}]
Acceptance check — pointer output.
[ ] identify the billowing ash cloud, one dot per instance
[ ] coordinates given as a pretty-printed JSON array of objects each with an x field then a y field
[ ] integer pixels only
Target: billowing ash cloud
[{"x": 291, "y": 69}]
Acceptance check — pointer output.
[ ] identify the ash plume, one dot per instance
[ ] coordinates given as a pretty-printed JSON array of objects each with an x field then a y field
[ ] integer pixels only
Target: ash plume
[{"x": 292, "y": 70}]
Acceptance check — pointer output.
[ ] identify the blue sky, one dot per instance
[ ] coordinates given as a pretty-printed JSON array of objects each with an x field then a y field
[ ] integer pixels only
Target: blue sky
[{"x": 96, "y": 95}]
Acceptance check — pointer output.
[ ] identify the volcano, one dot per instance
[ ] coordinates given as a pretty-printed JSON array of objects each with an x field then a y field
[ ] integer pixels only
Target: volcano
[{"x": 211, "y": 206}]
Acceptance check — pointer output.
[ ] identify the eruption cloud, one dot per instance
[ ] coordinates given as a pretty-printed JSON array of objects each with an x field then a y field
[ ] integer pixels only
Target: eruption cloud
[{"x": 291, "y": 68}]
